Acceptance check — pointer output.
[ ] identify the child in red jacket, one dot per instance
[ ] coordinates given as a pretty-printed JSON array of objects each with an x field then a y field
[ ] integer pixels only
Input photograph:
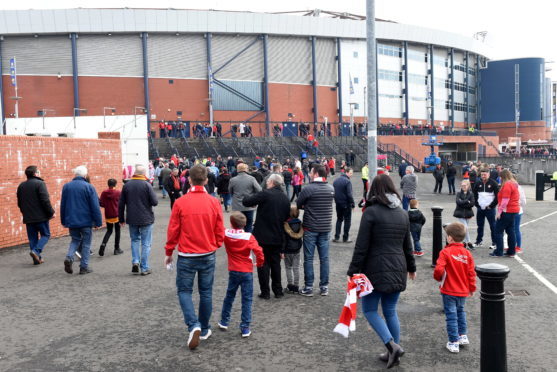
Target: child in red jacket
[
  {"x": 455, "y": 270},
  {"x": 239, "y": 245},
  {"x": 109, "y": 201}
]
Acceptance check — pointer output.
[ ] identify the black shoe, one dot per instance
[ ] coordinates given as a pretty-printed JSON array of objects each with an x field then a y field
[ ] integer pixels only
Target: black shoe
[
  {"x": 395, "y": 352},
  {"x": 68, "y": 266},
  {"x": 101, "y": 250},
  {"x": 135, "y": 269},
  {"x": 35, "y": 257},
  {"x": 85, "y": 270},
  {"x": 279, "y": 295},
  {"x": 335, "y": 240},
  {"x": 264, "y": 296},
  {"x": 385, "y": 356},
  {"x": 118, "y": 251}
]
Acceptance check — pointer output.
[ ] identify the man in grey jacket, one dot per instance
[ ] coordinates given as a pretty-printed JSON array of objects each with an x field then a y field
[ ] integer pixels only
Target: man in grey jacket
[
  {"x": 241, "y": 186},
  {"x": 408, "y": 184},
  {"x": 316, "y": 199}
]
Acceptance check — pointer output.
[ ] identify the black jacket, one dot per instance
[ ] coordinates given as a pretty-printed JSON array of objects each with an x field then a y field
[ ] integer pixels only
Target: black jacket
[
  {"x": 491, "y": 186},
  {"x": 211, "y": 181},
  {"x": 417, "y": 220},
  {"x": 33, "y": 201},
  {"x": 464, "y": 204},
  {"x": 169, "y": 187},
  {"x": 258, "y": 176},
  {"x": 316, "y": 199},
  {"x": 139, "y": 199},
  {"x": 384, "y": 247},
  {"x": 451, "y": 171},
  {"x": 273, "y": 209},
  {"x": 222, "y": 183},
  {"x": 343, "y": 192},
  {"x": 439, "y": 173},
  {"x": 287, "y": 176},
  {"x": 293, "y": 234}
]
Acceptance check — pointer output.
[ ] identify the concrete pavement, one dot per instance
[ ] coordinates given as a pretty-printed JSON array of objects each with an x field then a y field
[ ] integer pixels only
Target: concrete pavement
[{"x": 111, "y": 320}]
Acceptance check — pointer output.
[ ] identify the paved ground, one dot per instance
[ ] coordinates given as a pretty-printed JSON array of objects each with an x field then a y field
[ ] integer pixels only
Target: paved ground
[{"x": 111, "y": 320}]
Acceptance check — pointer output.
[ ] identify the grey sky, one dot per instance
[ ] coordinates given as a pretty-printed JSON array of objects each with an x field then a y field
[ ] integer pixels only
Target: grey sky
[{"x": 516, "y": 28}]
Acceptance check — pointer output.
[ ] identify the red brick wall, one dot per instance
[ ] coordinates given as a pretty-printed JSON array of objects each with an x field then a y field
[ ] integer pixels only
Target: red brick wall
[
  {"x": 528, "y": 130},
  {"x": 55, "y": 157},
  {"x": 413, "y": 144}
]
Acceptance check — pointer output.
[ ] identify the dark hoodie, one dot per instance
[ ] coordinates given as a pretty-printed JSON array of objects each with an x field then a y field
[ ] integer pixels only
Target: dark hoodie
[
  {"x": 417, "y": 220},
  {"x": 109, "y": 201},
  {"x": 293, "y": 234}
]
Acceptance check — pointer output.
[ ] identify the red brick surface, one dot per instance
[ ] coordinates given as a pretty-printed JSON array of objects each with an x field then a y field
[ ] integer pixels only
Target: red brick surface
[
  {"x": 528, "y": 130},
  {"x": 55, "y": 157}
]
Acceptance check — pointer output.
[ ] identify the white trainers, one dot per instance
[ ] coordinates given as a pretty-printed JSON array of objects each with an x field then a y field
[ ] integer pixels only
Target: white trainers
[
  {"x": 222, "y": 326},
  {"x": 209, "y": 333},
  {"x": 193, "y": 339},
  {"x": 453, "y": 347},
  {"x": 463, "y": 340},
  {"x": 492, "y": 246}
]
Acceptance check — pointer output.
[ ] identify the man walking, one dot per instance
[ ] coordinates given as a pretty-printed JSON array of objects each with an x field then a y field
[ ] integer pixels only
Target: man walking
[
  {"x": 316, "y": 199},
  {"x": 402, "y": 168},
  {"x": 136, "y": 209},
  {"x": 34, "y": 203},
  {"x": 439, "y": 175},
  {"x": 485, "y": 194},
  {"x": 241, "y": 186},
  {"x": 196, "y": 251},
  {"x": 344, "y": 201},
  {"x": 173, "y": 186},
  {"x": 273, "y": 211},
  {"x": 164, "y": 176},
  {"x": 409, "y": 185},
  {"x": 365, "y": 179},
  {"x": 79, "y": 212},
  {"x": 451, "y": 174}
]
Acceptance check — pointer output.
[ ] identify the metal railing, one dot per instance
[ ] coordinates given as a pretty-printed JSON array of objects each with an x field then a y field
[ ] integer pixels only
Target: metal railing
[{"x": 389, "y": 147}]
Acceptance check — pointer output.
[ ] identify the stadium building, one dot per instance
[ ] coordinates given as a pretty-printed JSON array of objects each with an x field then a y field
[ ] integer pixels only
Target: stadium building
[{"x": 228, "y": 67}]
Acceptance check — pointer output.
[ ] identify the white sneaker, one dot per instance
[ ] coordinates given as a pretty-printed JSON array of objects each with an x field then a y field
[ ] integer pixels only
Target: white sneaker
[
  {"x": 222, "y": 326},
  {"x": 209, "y": 333},
  {"x": 477, "y": 245},
  {"x": 193, "y": 339},
  {"x": 463, "y": 340},
  {"x": 492, "y": 246},
  {"x": 453, "y": 347}
]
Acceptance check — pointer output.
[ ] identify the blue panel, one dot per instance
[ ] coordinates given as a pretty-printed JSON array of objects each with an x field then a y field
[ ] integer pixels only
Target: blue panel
[
  {"x": 289, "y": 129},
  {"x": 497, "y": 90},
  {"x": 225, "y": 100}
]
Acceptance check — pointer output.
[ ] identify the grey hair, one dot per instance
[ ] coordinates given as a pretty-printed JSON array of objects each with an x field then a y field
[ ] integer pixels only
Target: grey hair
[
  {"x": 80, "y": 171},
  {"x": 140, "y": 169},
  {"x": 276, "y": 179},
  {"x": 410, "y": 168}
]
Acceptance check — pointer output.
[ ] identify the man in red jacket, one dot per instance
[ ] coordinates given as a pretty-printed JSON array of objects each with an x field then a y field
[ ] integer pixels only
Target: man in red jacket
[
  {"x": 455, "y": 271},
  {"x": 196, "y": 251}
]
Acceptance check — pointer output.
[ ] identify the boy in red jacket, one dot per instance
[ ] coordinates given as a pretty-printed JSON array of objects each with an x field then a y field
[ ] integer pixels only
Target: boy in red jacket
[
  {"x": 239, "y": 245},
  {"x": 455, "y": 271},
  {"x": 109, "y": 201}
]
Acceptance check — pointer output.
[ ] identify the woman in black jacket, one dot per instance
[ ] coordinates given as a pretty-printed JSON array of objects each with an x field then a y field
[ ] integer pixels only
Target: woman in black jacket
[
  {"x": 383, "y": 253},
  {"x": 464, "y": 203}
]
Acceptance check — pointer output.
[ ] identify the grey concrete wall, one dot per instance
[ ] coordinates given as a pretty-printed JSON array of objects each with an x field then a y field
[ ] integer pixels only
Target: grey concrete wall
[{"x": 525, "y": 168}]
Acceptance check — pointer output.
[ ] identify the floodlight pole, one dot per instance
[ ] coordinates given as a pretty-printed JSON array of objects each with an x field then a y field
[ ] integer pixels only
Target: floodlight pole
[{"x": 371, "y": 89}]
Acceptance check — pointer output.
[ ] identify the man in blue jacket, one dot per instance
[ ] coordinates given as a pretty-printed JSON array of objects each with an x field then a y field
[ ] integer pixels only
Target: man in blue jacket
[
  {"x": 79, "y": 212},
  {"x": 344, "y": 201}
]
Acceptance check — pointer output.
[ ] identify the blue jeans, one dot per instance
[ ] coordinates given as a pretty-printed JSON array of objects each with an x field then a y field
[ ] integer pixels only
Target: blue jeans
[
  {"x": 406, "y": 202},
  {"x": 517, "y": 232},
  {"x": 37, "y": 244},
  {"x": 450, "y": 181},
  {"x": 249, "y": 220},
  {"x": 321, "y": 241},
  {"x": 227, "y": 199},
  {"x": 186, "y": 268},
  {"x": 455, "y": 316},
  {"x": 141, "y": 234},
  {"x": 386, "y": 329},
  {"x": 80, "y": 236},
  {"x": 505, "y": 223},
  {"x": 416, "y": 237},
  {"x": 245, "y": 281},
  {"x": 481, "y": 215},
  {"x": 164, "y": 192}
]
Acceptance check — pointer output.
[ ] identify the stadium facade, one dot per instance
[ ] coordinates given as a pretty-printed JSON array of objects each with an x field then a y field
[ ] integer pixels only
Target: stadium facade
[{"x": 196, "y": 65}]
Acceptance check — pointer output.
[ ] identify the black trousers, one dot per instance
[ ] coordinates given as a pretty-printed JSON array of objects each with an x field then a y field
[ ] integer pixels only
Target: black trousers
[
  {"x": 438, "y": 185},
  {"x": 173, "y": 196},
  {"x": 343, "y": 215},
  {"x": 272, "y": 267},
  {"x": 109, "y": 228}
]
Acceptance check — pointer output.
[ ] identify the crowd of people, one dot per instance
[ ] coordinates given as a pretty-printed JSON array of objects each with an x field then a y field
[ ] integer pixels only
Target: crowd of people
[
  {"x": 531, "y": 152},
  {"x": 387, "y": 242}
]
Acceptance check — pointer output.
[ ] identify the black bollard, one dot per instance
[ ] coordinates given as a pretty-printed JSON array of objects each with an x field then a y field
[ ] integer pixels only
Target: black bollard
[
  {"x": 493, "y": 355},
  {"x": 540, "y": 185},
  {"x": 437, "y": 234}
]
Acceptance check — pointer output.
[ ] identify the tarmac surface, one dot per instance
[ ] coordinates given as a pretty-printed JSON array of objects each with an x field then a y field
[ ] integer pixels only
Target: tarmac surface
[{"x": 111, "y": 320}]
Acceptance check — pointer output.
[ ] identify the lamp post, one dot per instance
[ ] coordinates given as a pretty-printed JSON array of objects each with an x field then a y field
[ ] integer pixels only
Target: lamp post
[
  {"x": 135, "y": 115},
  {"x": 104, "y": 114},
  {"x": 75, "y": 111},
  {"x": 44, "y": 111}
]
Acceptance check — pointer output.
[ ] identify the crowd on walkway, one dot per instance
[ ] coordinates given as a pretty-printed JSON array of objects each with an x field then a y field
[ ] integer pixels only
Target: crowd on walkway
[{"x": 265, "y": 225}]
